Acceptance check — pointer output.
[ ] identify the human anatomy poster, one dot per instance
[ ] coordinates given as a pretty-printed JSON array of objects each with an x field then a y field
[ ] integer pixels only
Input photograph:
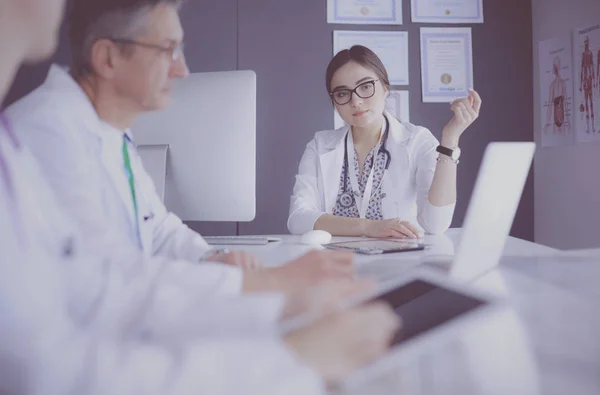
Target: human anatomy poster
[
  {"x": 586, "y": 62},
  {"x": 556, "y": 95}
]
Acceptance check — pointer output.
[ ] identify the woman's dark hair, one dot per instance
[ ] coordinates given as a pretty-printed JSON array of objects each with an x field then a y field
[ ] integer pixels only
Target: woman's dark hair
[{"x": 361, "y": 55}]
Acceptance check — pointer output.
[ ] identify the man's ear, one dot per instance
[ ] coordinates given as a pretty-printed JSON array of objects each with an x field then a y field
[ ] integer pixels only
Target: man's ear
[{"x": 105, "y": 58}]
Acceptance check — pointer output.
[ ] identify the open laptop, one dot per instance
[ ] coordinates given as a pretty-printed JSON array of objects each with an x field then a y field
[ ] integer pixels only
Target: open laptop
[
  {"x": 489, "y": 217},
  {"x": 492, "y": 208}
]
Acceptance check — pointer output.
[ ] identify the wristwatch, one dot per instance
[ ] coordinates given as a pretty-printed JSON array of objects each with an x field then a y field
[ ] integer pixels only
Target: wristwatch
[{"x": 454, "y": 154}]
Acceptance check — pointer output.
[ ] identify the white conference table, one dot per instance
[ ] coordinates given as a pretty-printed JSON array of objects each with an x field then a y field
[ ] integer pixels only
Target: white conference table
[
  {"x": 546, "y": 341},
  {"x": 290, "y": 247}
]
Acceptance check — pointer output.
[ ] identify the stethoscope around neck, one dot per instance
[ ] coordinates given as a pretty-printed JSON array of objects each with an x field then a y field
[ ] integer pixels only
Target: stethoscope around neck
[{"x": 347, "y": 199}]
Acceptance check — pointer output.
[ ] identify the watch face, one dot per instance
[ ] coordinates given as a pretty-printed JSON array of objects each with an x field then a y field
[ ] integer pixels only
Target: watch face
[{"x": 456, "y": 153}]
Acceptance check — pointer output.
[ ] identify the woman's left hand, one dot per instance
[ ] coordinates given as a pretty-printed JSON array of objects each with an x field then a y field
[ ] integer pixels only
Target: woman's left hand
[{"x": 466, "y": 111}]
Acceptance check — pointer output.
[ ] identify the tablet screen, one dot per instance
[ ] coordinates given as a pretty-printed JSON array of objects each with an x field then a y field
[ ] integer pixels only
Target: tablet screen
[{"x": 424, "y": 306}]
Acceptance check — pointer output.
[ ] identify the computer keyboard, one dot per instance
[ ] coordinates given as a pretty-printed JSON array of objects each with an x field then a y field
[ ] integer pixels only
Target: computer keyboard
[{"x": 240, "y": 240}]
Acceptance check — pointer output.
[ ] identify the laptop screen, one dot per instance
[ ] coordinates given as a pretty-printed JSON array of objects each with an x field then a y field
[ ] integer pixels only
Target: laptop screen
[{"x": 424, "y": 306}]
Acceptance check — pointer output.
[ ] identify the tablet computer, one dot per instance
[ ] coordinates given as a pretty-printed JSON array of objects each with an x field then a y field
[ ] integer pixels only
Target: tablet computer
[
  {"x": 424, "y": 305},
  {"x": 435, "y": 312},
  {"x": 377, "y": 246}
]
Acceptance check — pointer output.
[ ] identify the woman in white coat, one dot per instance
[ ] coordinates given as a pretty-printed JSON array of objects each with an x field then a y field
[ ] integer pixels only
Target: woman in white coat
[{"x": 377, "y": 176}]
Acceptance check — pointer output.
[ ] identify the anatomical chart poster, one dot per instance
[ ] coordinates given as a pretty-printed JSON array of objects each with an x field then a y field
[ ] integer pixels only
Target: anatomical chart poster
[
  {"x": 556, "y": 95},
  {"x": 586, "y": 64}
]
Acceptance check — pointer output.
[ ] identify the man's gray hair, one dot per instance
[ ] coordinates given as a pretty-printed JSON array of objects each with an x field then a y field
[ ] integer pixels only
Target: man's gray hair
[{"x": 92, "y": 20}]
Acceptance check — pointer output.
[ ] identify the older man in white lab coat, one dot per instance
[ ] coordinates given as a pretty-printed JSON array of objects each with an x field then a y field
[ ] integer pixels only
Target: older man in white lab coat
[
  {"x": 45, "y": 351},
  {"x": 78, "y": 130}
]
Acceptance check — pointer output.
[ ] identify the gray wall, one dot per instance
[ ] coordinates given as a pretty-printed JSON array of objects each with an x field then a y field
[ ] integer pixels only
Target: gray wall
[
  {"x": 288, "y": 43},
  {"x": 567, "y": 211}
]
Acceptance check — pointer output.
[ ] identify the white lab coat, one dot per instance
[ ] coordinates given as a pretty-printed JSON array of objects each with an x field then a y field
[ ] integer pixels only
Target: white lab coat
[
  {"x": 82, "y": 158},
  {"x": 53, "y": 120},
  {"x": 406, "y": 183},
  {"x": 48, "y": 348}
]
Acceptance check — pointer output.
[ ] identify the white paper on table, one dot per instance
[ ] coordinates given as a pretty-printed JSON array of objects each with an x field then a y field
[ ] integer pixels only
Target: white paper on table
[
  {"x": 371, "y": 12},
  {"x": 556, "y": 92},
  {"x": 447, "y": 11},
  {"x": 390, "y": 47},
  {"x": 446, "y": 64},
  {"x": 586, "y": 81},
  {"x": 397, "y": 104}
]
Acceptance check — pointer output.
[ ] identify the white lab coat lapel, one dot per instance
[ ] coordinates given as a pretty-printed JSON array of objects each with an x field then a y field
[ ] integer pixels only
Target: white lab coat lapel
[
  {"x": 108, "y": 140},
  {"x": 331, "y": 162},
  {"x": 110, "y": 143},
  {"x": 146, "y": 224},
  {"x": 112, "y": 160},
  {"x": 398, "y": 172}
]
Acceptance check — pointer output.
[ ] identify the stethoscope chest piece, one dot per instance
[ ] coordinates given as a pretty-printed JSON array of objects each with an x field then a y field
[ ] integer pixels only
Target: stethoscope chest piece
[{"x": 346, "y": 200}]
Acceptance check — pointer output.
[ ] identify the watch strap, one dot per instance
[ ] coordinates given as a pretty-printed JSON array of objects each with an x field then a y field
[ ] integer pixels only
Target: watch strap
[{"x": 444, "y": 150}]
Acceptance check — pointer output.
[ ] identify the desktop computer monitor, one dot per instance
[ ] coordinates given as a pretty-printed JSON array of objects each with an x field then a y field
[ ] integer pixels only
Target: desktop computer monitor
[{"x": 210, "y": 130}]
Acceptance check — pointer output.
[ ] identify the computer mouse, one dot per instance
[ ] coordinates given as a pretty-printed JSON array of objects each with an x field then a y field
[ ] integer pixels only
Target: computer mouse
[{"x": 316, "y": 237}]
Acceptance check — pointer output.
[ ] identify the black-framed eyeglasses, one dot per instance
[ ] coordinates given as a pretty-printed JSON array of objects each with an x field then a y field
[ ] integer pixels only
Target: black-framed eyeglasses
[
  {"x": 175, "y": 53},
  {"x": 344, "y": 96}
]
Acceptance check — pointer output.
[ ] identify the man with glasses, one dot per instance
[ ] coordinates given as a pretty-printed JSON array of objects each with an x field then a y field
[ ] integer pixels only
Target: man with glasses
[{"x": 125, "y": 54}]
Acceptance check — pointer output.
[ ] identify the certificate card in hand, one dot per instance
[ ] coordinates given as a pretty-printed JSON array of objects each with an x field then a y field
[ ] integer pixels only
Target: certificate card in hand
[
  {"x": 446, "y": 63},
  {"x": 372, "y": 12},
  {"x": 377, "y": 246}
]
